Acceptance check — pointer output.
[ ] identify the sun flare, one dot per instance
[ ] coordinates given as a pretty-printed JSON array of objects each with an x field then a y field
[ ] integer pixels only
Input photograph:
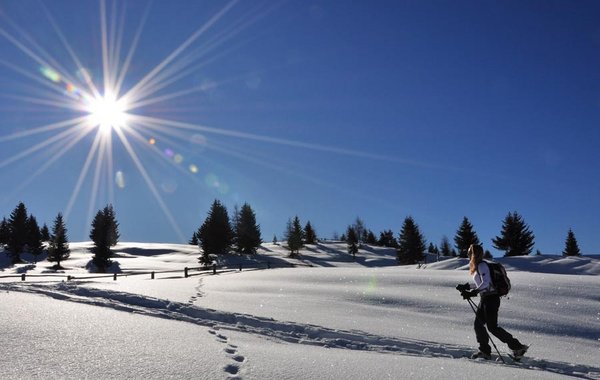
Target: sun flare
[{"x": 107, "y": 112}]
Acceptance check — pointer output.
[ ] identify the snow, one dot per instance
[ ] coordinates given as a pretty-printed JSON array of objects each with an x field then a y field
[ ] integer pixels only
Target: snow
[{"x": 326, "y": 317}]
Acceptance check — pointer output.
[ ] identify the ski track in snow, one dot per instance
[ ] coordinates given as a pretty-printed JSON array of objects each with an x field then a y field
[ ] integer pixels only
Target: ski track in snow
[{"x": 291, "y": 332}]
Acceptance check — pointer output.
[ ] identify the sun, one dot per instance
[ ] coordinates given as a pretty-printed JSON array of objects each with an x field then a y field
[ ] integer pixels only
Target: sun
[{"x": 107, "y": 112}]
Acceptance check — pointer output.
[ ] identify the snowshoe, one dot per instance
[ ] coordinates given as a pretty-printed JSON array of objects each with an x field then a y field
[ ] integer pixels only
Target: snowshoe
[
  {"x": 519, "y": 352},
  {"x": 482, "y": 355}
]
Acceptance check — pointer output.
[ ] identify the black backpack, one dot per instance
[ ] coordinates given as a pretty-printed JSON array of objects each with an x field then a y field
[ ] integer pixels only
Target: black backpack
[{"x": 500, "y": 279}]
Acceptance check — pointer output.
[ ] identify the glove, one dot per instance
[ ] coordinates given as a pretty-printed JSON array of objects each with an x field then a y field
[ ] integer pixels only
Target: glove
[
  {"x": 463, "y": 287},
  {"x": 467, "y": 294}
]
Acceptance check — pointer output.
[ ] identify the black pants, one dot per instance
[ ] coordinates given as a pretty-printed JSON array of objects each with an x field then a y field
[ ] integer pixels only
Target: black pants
[{"x": 487, "y": 313}]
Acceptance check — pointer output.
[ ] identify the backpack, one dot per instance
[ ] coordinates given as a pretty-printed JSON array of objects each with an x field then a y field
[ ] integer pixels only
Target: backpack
[{"x": 500, "y": 279}]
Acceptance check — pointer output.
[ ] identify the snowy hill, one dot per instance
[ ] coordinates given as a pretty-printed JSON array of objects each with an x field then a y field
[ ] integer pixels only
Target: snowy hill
[{"x": 321, "y": 316}]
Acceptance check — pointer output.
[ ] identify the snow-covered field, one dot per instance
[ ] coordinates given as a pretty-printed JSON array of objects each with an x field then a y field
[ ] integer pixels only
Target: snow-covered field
[{"x": 328, "y": 317}]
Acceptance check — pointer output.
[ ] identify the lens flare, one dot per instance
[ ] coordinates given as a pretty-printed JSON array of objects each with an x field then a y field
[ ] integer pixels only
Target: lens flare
[
  {"x": 107, "y": 112},
  {"x": 120, "y": 179}
]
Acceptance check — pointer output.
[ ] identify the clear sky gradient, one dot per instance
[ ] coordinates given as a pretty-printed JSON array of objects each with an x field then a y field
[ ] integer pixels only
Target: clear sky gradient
[{"x": 327, "y": 110}]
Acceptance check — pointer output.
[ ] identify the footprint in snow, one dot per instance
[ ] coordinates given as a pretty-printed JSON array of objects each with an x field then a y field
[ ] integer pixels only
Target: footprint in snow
[{"x": 232, "y": 369}]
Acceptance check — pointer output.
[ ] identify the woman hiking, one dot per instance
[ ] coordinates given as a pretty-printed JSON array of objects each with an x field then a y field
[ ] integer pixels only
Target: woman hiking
[{"x": 487, "y": 310}]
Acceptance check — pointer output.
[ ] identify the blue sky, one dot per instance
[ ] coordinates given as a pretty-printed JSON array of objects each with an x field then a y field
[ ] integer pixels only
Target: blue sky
[{"x": 325, "y": 110}]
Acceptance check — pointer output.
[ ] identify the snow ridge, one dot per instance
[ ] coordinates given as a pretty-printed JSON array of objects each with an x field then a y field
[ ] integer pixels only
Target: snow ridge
[{"x": 291, "y": 332}]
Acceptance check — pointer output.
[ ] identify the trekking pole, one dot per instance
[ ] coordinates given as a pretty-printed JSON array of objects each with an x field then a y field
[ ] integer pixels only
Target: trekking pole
[{"x": 489, "y": 336}]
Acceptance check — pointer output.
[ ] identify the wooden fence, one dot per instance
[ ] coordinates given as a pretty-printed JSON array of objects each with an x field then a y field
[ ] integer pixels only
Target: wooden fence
[{"x": 186, "y": 272}]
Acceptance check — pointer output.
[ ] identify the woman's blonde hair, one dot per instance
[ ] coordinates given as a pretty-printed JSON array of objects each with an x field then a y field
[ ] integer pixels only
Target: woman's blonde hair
[{"x": 476, "y": 256}]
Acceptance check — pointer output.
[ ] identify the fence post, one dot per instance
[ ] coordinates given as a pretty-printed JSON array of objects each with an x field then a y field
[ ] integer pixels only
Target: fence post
[
  {"x": 268, "y": 265},
  {"x": 69, "y": 278},
  {"x": 185, "y": 272},
  {"x": 152, "y": 275},
  {"x": 240, "y": 267},
  {"x": 115, "y": 277},
  {"x": 214, "y": 268},
  {"x": 23, "y": 277}
]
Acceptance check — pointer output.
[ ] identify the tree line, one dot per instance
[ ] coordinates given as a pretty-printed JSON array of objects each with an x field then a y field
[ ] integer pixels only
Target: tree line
[
  {"x": 515, "y": 239},
  {"x": 219, "y": 234},
  {"x": 21, "y": 233}
]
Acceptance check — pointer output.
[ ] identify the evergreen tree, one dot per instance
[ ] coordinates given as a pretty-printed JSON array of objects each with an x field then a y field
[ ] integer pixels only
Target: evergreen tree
[
  {"x": 100, "y": 236},
  {"x": 359, "y": 229},
  {"x": 274, "y": 239},
  {"x": 352, "y": 241},
  {"x": 387, "y": 239},
  {"x": 371, "y": 239},
  {"x": 412, "y": 243},
  {"x": 4, "y": 232},
  {"x": 432, "y": 249},
  {"x": 294, "y": 236},
  {"x": 488, "y": 255},
  {"x": 465, "y": 236},
  {"x": 18, "y": 232},
  {"x": 59, "y": 243},
  {"x": 310, "y": 234},
  {"x": 194, "y": 239},
  {"x": 445, "y": 248},
  {"x": 235, "y": 225},
  {"x": 45, "y": 233},
  {"x": 216, "y": 234},
  {"x": 516, "y": 239},
  {"x": 571, "y": 246},
  {"x": 248, "y": 231},
  {"x": 34, "y": 238},
  {"x": 112, "y": 225}
]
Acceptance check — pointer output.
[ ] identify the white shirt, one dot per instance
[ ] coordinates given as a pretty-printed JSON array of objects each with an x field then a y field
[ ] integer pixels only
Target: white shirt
[{"x": 482, "y": 278}]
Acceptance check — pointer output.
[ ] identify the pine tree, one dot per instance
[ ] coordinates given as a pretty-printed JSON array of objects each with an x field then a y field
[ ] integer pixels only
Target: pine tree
[
  {"x": 18, "y": 232},
  {"x": 310, "y": 234},
  {"x": 274, "y": 239},
  {"x": 194, "y": 239},
  {"x": 216, "y": 234},
  {"x": 59, "y": 243},
  {"x": 488, "y": 255},
  {"x": 100, "y": 236},
  {"x": 445, "y": 248},
  {"x": 571, "y": 246},
  {"x": 371, "y": 239},
  {"x": 387, "y": 239},
  {"x": 465, "y": 236},
  {"x": 359, "y": 228},
  {"x": 235, "y": 225},
  {"x": 45, "y": 233},
  {"x": 248, "y": 231},
  {"x": 352, "y": 241},
  {"x": 412, "y": 243},
  {"x": 294, "y": 236},
  {"x": 34, "y": 238},
  {"x": 432, "y": 249},
  {"x": 112, "y": 225},
  {"x": 4, "y": 232},
  {"x": 516, "y": 239}
]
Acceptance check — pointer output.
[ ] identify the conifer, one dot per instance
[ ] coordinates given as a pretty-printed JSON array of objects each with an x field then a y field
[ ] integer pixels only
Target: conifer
[
  {"x": 58, "y": 249},
  {"x": 310, "y": 234},
  {"x": 18, "y": 232},
  {"x": 571, "y": 246},
  {"x": 411, "y": 243},
  {"x": 465, "y": 236},
  {"x": 516, "y": 239}
]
